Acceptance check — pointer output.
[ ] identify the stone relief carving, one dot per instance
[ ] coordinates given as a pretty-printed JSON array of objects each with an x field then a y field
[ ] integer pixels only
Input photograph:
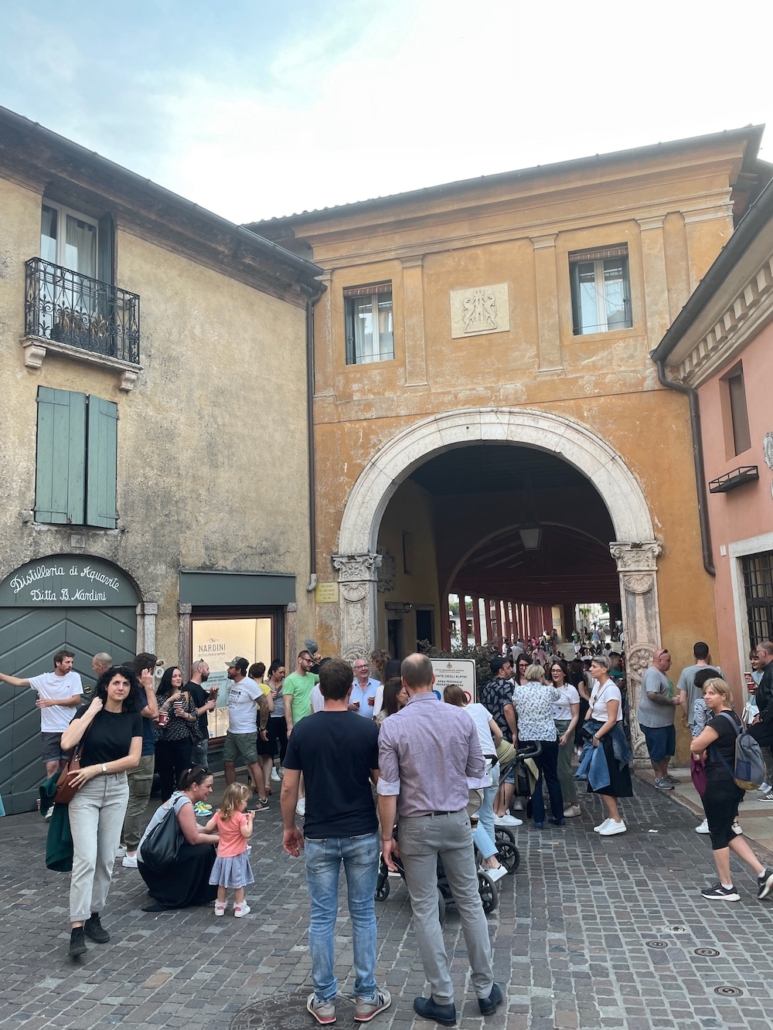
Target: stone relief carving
[
  {"x": 479, "y": 310},
  {"x": 356, "y": 566},
  {"x": 387, "y": 572},
  {"x": 767, "y": 450}
]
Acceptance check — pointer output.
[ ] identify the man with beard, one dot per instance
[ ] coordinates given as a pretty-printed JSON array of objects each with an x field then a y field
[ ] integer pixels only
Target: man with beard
[
  {"x": 204, "y": 704},
  {"x": 241, "y": 743}
]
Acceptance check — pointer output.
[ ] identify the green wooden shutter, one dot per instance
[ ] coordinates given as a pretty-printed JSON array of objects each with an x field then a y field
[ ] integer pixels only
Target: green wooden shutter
[
  {"x": 61, "y": 451},
  {"x": 102, "y": 463}
]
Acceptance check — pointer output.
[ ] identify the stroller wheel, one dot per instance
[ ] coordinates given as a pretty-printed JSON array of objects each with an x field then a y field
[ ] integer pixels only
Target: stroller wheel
[
  {"x": 489, "y": 895},
  {"x": 503, "y": 835},
  {"x": 508, "y": 854},
  {"x": 441, "y": 905},
  {"x": 382, "y": 891}
]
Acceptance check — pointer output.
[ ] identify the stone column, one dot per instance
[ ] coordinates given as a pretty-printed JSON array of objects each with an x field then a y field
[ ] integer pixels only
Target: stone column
[
  {"x": 546, "y": 275},
  {"x": 147, "y": 612},
  {"x": 476, "y": 619},
  {"x": 637, "y": 568},
  {"x": 184, "y": 638},
  {"x": 413, "y": 322},
  {"x": 357, "y": 575}
]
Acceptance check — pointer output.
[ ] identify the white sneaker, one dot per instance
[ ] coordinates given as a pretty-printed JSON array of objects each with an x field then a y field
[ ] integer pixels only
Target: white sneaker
[
  {"x": 765, "y": 788},
  {"x": 612, "y": 828},
  {"x": 300, "y": 808},
  {"x": 275, "y": 776},
  {"x": 120, "y": 852},
  {"x": 703, "y": 828},
  {"x": 600, "y": 827},
  {"x": 494, "y": 874},
  {"x": 518, "y": 805},
  {"x": 507, "y": 820},
  {"x": 241, "y": 910},
  {"x": 130, "y": 861},
  {"x": 736, "y": 828},
  {"x": 572, "y": 811}
]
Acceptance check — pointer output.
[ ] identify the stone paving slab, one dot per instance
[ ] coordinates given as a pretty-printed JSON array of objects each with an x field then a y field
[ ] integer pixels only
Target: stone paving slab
[{"x": 570, "y": 940}]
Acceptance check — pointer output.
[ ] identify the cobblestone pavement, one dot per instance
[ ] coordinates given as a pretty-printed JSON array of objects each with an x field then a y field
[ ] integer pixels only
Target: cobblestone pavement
[{"x": 573, "y": 940}]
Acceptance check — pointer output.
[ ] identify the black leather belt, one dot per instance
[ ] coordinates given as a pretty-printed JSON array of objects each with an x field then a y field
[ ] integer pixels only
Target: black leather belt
[{"x": 446, "y": 813}]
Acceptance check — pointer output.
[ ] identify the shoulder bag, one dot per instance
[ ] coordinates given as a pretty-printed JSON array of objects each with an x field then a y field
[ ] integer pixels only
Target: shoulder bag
[
  {"x": 65, "y": 790},
  {"x": 160, "y": 848}
]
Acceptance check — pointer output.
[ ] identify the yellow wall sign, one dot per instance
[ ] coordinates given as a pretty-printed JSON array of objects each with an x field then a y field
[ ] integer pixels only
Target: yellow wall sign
[{"x": 327, "y": 593}]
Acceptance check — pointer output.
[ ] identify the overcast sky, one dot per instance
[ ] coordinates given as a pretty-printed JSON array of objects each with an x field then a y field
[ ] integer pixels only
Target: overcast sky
[{"x": 256, "y": 108}]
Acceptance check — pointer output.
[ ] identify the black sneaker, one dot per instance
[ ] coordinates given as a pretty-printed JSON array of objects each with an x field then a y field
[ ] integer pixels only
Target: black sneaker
[
  {"x": 94, "y": 929},
  {"x": 765, "y": 884},
  {"x": 720, "y": 893},
  {"x": 77, "y": 942}
]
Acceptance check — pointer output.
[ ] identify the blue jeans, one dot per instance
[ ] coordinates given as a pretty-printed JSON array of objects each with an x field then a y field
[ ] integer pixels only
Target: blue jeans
[
  {"x": 323, "y": 863},
  {"x": 484, "y": 836}
]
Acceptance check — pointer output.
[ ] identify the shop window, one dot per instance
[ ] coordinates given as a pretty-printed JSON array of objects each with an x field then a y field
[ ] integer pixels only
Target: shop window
[
  {"x": 76, "y": 461},
  {"x": 601, "y": 290},
  {"x": 369, "y": 324},
  {"x": 758, "y": 588},
  {"x": 217, "y": 641},
  {"x": 737, "y": 435}
]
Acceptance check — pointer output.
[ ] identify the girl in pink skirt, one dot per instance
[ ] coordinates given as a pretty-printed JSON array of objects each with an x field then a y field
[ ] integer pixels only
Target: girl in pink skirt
[{"x": 232, "y": 865}]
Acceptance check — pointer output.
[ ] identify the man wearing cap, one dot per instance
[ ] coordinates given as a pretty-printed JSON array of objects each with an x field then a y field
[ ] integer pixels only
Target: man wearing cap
[
  {"x": 657, "y": 709},
  {"x": 241, "y": 738},
  {"x": 297, "y": 690}
]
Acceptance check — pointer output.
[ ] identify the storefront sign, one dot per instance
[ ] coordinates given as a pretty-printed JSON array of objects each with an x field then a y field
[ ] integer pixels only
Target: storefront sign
[
  {"x": 459, "y": 671},
  {"x": 67, "y": 580}
]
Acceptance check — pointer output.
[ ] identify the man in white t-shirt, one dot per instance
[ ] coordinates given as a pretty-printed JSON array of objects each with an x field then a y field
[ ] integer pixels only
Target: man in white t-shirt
[
  {"x": 241, "y": 739},
  {"x": 59, "y": 694}
]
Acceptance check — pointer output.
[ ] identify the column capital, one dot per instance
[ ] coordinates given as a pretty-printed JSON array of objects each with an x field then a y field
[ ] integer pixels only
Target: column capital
[
  {"x": 147, "y": 608},
  {"x": 184, "y": 609},
  {"x": 636, "y": 556},
  {"x": 547, "y": 240},
  {"x": 412, "y": 261},
  {"x": 356, "y": 568}
]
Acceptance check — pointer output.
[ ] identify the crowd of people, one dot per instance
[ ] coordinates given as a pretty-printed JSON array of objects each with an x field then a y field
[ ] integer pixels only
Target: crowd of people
[{"x": 331, "y": 731}]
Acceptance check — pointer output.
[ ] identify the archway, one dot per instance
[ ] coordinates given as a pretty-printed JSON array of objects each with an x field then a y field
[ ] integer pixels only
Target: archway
[{"x": 634, "y": 548}]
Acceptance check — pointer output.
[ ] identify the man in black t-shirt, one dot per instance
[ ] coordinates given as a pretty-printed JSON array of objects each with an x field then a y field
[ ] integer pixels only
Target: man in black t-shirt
[
  {"x": 204, "y": 704},
  {"x": 336, "y": 751}
]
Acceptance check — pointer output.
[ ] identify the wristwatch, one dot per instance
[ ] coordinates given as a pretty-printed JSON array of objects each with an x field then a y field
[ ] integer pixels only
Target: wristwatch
[{"x": 104, "y": 767}]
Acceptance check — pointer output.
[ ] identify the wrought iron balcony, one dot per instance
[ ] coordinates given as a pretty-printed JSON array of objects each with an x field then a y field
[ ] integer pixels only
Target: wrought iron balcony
[{"x": 73, "y": 309}]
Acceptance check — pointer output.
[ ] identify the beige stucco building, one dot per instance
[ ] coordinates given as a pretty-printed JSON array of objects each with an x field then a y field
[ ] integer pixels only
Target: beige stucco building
[
  {"x": 487, "y": 418},
  {"x": 154, "y": 439}
]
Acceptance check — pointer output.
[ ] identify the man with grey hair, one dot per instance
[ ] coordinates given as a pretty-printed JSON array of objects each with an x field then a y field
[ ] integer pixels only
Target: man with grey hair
[
  {"x": 426, "y": 752},
  {"x": 205, "y": 703},
  {"x": 100, "y": 663}
]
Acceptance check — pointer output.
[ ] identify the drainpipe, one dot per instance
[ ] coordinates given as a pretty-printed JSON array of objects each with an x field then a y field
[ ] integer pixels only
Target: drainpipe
[
  {"x": 313, "y": 293},
  {"x": 697, "y": 453}
]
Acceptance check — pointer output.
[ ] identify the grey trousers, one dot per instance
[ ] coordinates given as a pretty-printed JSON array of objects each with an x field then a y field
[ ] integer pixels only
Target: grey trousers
[
  {"x": 140, "y": 786},
  {"x": 421, "y": 840},
  {"x": 96, "y": 818}
]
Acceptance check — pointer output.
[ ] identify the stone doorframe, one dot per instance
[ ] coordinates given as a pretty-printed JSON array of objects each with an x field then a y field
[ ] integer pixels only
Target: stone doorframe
[{"x": 635, "y": 548}]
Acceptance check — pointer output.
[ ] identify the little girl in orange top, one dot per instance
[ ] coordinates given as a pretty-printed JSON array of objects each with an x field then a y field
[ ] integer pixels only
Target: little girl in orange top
[{"x": 232, "y": 865}]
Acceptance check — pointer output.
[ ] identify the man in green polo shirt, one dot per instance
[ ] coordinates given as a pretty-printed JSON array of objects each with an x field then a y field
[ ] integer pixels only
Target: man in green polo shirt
[{"x": 297, "y": 689}]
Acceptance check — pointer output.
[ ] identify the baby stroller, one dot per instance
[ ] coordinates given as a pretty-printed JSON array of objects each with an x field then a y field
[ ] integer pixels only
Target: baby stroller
[{"x": 507, "y": 853}]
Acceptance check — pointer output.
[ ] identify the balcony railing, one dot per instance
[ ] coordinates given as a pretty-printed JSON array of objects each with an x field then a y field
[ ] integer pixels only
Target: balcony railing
[{"x": 71, "y": 308}]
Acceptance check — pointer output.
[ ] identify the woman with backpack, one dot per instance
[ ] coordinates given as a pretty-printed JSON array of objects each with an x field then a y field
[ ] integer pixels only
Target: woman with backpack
[{"x": 717, "y": 743}]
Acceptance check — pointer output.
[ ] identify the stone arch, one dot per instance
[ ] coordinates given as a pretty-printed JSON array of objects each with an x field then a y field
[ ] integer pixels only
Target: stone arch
[{"x": 635, "y": 548}]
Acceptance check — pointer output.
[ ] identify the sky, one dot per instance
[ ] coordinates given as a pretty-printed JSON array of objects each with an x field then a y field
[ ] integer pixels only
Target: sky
[{"x": 258, "y": 108}]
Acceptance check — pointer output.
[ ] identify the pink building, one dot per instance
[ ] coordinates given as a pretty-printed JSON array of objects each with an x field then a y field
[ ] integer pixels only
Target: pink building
[{"x": 720, "y": 351}]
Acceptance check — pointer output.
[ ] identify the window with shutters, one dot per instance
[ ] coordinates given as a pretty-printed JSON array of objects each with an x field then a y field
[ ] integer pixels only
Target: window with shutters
[
  {"x": 601, "y": 290},
  {"x": 76, "y": 461},
  {"x": 369, "y": 323},
  {"x": 735, "y": 414}
]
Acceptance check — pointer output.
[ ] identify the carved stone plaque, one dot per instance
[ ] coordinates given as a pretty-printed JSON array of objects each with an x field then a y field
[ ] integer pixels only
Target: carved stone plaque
[{"x": 480, "y": 310}]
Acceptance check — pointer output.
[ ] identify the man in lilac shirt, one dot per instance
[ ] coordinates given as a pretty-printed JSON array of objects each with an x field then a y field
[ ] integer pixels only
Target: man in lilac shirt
[{"x": 426, "y": 752}]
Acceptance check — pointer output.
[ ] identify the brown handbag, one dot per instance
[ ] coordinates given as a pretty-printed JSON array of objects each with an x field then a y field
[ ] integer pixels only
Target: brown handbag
[{"x": 65, "y": 790}]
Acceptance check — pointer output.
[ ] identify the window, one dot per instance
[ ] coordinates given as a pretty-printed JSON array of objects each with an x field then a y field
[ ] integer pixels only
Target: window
[
  {"x": 75, "y": 480},
  {"x": 737, "y": 433},
  {"x": 758, "y": 587},
  {"x": 601, "y": 291},
  {"x": 369, "y": 324},
  {"x": 69, "y": 239}
]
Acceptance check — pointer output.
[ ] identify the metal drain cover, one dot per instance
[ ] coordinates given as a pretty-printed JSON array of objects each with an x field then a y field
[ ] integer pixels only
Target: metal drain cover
[
  {"x": 729, "y": 992},
  {"x": 706, "y": 952},
  {"x": 656, "y": 944},
  {"x": 285, "y": 1012},
  {"x": 676, "y": 928}
]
